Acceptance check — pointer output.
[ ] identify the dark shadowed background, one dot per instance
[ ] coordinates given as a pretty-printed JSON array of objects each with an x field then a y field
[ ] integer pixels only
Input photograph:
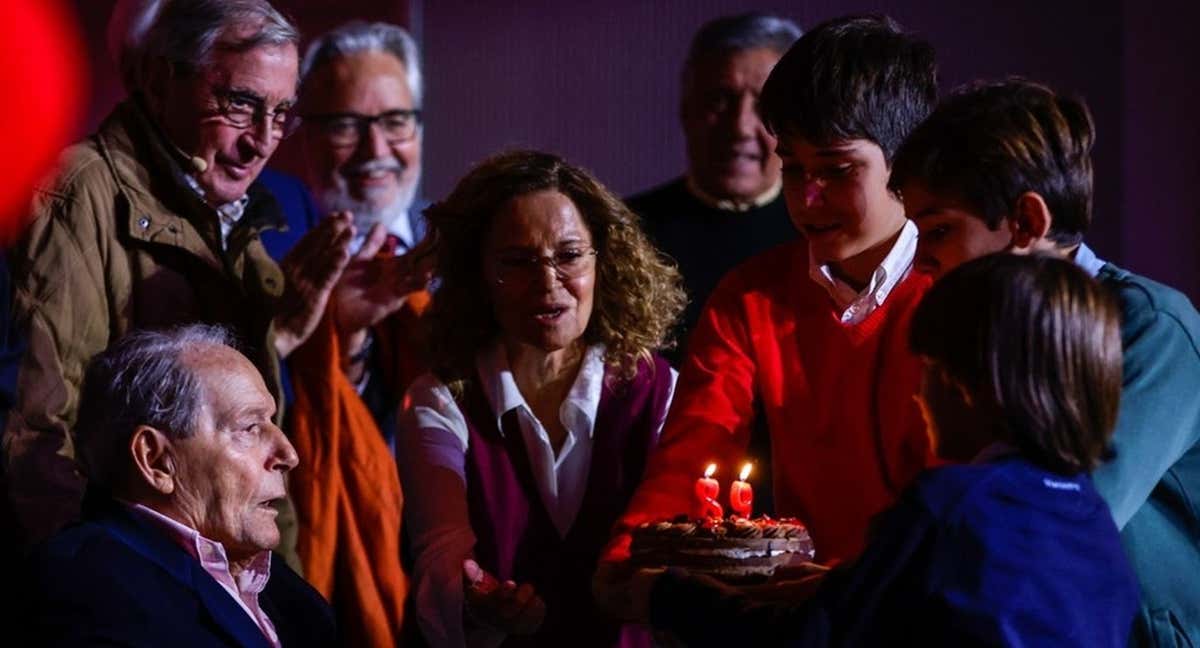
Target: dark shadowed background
[{"x": 599, "y": 83}]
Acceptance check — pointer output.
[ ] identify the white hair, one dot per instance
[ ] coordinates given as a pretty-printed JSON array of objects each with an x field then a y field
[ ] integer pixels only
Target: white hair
[
  {"x": 358, "y": 36},
  {"x": 729, "y": 34},
  {"x": 185, "y": 32},
  {"x": 141, "y": 379}
]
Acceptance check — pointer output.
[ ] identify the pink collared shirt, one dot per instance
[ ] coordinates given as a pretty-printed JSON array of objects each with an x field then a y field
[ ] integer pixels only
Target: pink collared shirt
[{"x": 244, "y": 589}]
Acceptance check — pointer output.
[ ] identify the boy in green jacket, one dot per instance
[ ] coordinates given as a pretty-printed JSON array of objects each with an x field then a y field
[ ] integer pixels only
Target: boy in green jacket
[{"x": 1006, "y": 167}]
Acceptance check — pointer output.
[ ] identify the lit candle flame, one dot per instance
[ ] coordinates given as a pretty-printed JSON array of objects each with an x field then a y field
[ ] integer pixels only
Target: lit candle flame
[
  {"x": 708, "y": 472},
  {"x": 745, "y": 471}
]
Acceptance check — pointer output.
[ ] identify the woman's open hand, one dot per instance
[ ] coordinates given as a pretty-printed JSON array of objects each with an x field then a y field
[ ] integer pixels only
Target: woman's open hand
[{"x": 505, "y": 606}]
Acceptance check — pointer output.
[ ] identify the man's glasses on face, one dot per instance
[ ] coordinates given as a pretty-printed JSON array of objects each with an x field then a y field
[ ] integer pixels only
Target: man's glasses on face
[
  {"x": 513, "y": 269},
  {"x": 346, "y": 129},
  {"x": 244, "y": 109}
]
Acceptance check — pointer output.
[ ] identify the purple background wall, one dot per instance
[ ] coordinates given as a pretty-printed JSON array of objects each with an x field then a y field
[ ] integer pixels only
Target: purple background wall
[{"x": 598, "y": 82}]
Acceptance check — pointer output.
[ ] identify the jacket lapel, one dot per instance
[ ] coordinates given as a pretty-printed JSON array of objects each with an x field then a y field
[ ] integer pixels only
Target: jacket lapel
[{"x": 226, "y": 614}]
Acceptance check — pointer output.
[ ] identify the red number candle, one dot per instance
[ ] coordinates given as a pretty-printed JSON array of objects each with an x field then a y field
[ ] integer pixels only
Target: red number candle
[
  {"x": 741, "y": 496},
  {"x": 707, "y": 490}
]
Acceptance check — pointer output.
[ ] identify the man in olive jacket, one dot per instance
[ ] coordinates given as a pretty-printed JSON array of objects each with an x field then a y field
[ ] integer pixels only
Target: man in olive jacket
[{"x": 153, "y": 222}]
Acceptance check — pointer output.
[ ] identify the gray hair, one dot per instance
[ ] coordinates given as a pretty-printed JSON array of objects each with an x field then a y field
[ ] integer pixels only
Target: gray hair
[
  {"x": 729, "y": 34},
  {"x": 358, "y": 36},
  {"x": 185, "y": 32},
  {"x": 141, "y": 379}
]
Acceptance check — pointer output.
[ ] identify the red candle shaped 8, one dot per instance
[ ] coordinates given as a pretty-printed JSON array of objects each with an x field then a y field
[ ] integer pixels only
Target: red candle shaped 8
[
  {"x": 707, "y": 490},
  {"x": 741, "y": 496}
]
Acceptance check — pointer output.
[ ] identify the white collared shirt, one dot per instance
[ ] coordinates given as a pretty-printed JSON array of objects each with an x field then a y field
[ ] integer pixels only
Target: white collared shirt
[
  {"x": 244, "y": 588},
  {"x": 561, "y": 477},
  {"x": 1085, "y": 258},
  {"x": 398, "y": 223},
  {"x": 854, "y": 305},
  {"x": 431, "y": 448}
]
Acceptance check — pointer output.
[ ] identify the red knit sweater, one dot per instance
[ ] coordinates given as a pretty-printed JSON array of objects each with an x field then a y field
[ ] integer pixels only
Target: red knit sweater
[{"x": 846, "y": 435}]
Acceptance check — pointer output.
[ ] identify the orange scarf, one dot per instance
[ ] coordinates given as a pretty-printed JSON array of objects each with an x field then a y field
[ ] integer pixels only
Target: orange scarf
[{"x": 346, "y": 488}]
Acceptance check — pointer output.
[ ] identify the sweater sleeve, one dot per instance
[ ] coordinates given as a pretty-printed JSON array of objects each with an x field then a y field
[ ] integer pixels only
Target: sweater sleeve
[
  {"x": 709, "y": 419},
  {"x": 1159, "y": 417}
]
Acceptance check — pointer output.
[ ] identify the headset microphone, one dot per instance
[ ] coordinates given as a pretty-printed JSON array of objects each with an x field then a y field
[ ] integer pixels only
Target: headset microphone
[{"x": 197, "y": 163}]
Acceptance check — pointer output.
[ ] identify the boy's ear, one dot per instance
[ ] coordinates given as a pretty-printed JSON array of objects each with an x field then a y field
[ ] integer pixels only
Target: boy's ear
[
  {"x": 153, "y": 458},
  {"x": 1030, "y": 222}
]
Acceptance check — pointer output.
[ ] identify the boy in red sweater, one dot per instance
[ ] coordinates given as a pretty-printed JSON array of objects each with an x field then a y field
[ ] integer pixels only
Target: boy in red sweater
[{"x": 814, "y": 332}]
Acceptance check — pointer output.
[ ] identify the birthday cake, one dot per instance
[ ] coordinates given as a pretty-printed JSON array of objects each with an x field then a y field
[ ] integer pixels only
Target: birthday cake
[{"x": 734, "y": 549}]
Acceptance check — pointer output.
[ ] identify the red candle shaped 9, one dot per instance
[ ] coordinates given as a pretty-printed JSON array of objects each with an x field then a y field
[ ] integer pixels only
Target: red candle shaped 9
[
  {"x": 741, "y": 496},
  {"x": 707, "y": 490}
]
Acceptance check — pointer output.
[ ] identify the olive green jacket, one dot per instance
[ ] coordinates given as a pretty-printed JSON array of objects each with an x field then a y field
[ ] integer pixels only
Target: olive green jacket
[{"x": 117, "y": 243}]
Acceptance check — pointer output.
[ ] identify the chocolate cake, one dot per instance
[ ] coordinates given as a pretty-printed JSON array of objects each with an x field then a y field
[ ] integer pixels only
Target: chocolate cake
[{"x": 733, "y": 549}]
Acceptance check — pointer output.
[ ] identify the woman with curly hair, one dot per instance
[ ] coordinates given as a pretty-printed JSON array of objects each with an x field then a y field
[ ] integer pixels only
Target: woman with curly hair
[{"x": 523, "y": 446}]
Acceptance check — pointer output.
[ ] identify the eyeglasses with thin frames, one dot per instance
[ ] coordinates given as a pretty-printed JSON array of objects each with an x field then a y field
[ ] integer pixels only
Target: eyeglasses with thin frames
[
  {"x": 245, "y": 109},
  {"x": 523, "y": 269},
  {"x": 347, "y": 129}
]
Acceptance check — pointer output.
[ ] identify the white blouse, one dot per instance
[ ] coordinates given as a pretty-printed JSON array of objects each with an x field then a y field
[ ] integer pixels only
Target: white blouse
[{"x": 431, "y": 449}]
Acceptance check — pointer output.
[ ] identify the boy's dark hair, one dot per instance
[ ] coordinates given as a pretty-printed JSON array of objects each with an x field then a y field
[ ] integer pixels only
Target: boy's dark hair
[
  {"x": 989, "y": 143},
  {"x": 1036, "y": 344},
  {"x": 859, "y": 77}
]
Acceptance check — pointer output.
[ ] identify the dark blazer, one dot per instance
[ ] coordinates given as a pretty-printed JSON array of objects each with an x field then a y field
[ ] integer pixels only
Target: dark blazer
[{"x": 115, "y": 580}]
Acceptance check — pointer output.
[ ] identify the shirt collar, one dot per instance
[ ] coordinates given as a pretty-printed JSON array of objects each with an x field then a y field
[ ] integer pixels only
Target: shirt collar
[
  {"x": 895, "y": 266},
  {"x": 1085, "y": 258},
  {"x": 397, "y": 221},
  {"x": 729, "y": 205},
  {"x": 504, "y": 396},
  {"x": 402, "y": 229},
  {"x": 228, "y": 214},
  {"x": 211, "y": 554}
]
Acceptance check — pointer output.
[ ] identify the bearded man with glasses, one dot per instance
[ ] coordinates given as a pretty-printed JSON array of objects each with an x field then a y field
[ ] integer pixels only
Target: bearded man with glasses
[
  {"x": 154, "y": 221},
  {"x": 361, "y": 90},
  {"x": 360, "y": 98}
]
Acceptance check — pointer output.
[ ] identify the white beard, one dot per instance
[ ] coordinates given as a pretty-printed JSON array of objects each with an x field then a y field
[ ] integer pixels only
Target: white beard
[{"x": 368, "y": 212}]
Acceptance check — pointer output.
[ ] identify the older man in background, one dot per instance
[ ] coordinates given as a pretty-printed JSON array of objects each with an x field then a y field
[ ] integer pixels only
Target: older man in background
[
  {"x": 361, "y": 100},
  {"x": 184, "y": 465},
  {"x": 728, "y": 206},
  {"x": 154, "y": 221}
]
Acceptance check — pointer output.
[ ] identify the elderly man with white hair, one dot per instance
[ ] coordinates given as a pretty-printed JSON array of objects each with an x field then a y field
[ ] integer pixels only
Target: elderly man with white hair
[
  {"x": 154, "y": 221},
  {"x": 175, "y": 548},
  {"x": 361, "y": 93},
  {"x": 360, "y": 99}
]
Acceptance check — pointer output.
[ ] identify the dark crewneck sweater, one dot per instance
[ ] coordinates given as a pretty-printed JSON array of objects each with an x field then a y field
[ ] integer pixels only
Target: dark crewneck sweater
[{"x": 706, "y": 242}]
